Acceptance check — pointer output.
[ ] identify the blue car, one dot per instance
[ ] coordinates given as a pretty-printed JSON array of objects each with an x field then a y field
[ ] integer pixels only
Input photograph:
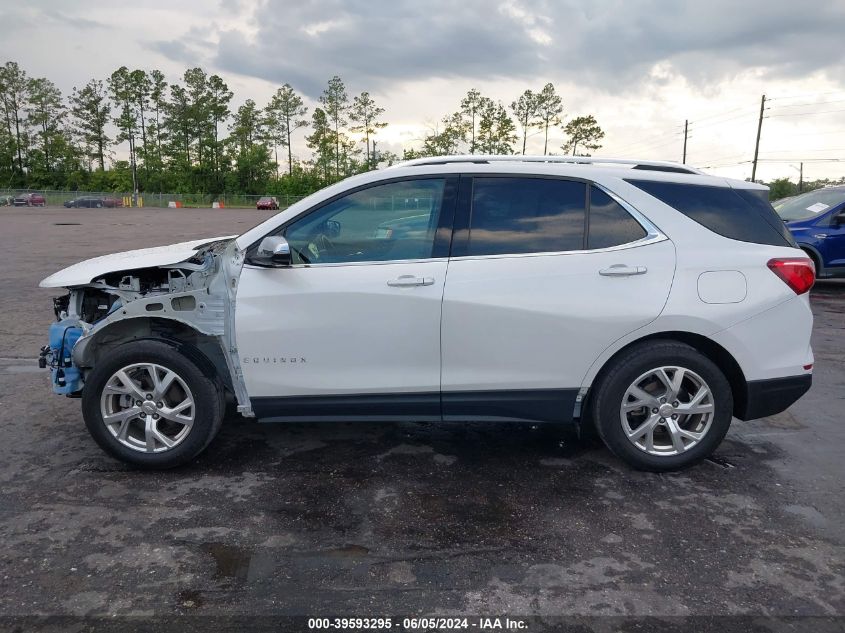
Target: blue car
[{"x": 816, "y": 220}]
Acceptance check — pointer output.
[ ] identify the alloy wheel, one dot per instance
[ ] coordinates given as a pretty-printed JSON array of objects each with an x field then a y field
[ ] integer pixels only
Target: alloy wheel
[
  {"x": 667, "y": 411},
  {"x": 147, "y": 407}
]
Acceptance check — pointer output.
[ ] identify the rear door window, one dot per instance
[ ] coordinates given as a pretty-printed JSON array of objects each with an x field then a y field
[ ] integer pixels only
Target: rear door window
[
  {"x": 513, "y": 215},
  {"x": 734, "y": 213}
]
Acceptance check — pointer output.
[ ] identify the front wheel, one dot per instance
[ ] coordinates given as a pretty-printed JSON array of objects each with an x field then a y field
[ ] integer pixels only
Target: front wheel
[
  {"x": 149, "y": 405},
  {"x": 663, "y": 406}
]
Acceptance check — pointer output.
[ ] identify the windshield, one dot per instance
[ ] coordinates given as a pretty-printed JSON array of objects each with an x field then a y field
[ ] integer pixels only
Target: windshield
[{"x": 809, "y": 205}]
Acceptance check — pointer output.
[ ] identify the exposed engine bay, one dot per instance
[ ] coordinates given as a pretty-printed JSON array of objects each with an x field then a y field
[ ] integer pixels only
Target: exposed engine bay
[{"x": 195, "y": 295}]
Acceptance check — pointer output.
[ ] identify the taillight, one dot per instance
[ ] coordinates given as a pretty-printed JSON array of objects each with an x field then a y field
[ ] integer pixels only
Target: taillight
[{"x": 799, "y": 273}]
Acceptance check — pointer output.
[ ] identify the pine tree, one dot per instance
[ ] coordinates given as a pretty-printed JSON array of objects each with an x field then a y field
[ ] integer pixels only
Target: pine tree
[
  {"x": 45, "y": 112},
  {"x": 336, "y": 106},
  {"x": 365, "y": 113},
  {"x": 90, "y": 109},
  {"x": 14, "y": 88},
  {"x": 284, "y": 114},
  {"x": 526, "y": 110},
  {"x": 496, "y": 130},
  {"x": 583, "y": 130},
  {"x": 549, "y": 109}
]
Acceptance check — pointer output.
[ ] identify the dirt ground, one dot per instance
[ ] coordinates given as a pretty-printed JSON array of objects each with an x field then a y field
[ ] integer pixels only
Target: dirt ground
[{"x": 385, "y": 519}]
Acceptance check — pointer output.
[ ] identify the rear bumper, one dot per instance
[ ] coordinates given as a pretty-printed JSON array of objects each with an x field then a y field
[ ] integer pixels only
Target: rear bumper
[{"x": 768, "y": 397}]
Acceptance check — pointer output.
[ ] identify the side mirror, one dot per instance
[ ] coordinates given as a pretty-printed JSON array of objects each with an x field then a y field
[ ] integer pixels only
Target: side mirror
[
  {"x": 273, "y": 250},
  {"x": 839, "y": 218}
]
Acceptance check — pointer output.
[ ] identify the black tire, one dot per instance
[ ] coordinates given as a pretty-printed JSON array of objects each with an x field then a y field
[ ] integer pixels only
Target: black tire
[
  {"x": 613, "y": 384},
  {"x": 206, "y": 391}
]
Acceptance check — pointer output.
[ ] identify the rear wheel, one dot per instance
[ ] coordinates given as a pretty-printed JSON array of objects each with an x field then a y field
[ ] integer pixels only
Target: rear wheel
[
  {"x": 149, "y": 405},
  {"x": 663, "y": 406}
]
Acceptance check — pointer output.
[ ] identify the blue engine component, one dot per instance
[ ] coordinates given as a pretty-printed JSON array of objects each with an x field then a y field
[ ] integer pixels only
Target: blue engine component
[{"x": 64, "y": 334}]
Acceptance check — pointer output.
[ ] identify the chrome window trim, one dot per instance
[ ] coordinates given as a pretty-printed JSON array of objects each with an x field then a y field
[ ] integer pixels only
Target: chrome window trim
[
  {"x": 650, "y": 229},
  {"x": 376, "y": 262},
  {"x": 653, "y": 236},
  {"x": 645, "y": 241}
]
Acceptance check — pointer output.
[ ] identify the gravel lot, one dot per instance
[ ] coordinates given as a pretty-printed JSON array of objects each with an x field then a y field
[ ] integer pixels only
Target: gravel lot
[{"x": 386, "y": 519}]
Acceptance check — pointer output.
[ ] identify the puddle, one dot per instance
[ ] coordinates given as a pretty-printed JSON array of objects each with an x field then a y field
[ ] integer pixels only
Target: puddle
[
  {"x": 348, "y": 551},
  {"x": 240, "y": 565},
  {"x": 232, "y": 562}
]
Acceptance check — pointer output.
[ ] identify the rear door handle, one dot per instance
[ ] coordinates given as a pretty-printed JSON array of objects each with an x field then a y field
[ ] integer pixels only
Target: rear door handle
[
  {"x": 623, "y": 270},
  {"x": 406, "y": 281}
]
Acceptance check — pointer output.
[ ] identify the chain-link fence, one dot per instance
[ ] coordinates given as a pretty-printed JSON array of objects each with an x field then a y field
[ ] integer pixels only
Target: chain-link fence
[{"x": 121, "y": 199}]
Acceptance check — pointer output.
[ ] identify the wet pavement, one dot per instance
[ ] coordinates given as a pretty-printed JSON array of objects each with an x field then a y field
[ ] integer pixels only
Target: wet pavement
[{"x": 412, "y": 518}]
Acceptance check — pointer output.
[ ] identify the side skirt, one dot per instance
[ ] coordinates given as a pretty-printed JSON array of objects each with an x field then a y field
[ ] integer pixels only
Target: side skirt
[{"x": 538, "y": 405}]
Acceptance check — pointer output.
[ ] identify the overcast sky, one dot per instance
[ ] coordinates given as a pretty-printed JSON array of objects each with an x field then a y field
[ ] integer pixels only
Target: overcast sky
[{"x": 640, "y": 66}]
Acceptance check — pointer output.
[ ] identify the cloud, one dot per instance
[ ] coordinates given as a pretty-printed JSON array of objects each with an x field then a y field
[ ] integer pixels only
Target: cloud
[
  {"x": 614, "y": 44},
  {"x": 31, "y": 17}
]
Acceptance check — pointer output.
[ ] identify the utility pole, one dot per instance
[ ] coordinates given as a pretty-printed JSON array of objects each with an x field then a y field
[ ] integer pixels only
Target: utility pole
[
  {"x": 686, "y": 129},
  {"x": 757, "y": 144},
  {"x": 801, "y": 178}
]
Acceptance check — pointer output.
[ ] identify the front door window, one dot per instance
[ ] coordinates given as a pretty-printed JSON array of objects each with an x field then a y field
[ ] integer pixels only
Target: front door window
[{"x": 389, "y": 222}]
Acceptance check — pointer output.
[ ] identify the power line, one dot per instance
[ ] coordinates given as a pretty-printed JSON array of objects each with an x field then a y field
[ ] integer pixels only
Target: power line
[
  {"x": 806, "y": 160},
  {"x": 823, "y": 149},
  {"x": 713, "y": 116},
  {"x": 810, "y": 103},
  {"x": 744, "y": 162},
  {"x": 802, "y": 96},
  {"x": 770, "y": 116},
  {"x": 696, "y": 126},
  {"x": 826, "y": 132},
  {"x": 649, "y": 148},
  {"x": 648, "y": 140},
  {"x": 721, "y": 158}
]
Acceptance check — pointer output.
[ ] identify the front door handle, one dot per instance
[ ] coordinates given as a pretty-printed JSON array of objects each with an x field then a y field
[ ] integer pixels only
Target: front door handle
[
  {"x": 623, "y": 270},
  {"x": 407, "y": 281}
]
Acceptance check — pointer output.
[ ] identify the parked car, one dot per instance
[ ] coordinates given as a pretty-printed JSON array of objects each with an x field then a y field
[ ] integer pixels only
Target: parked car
[
  {"x": 816, "y": 220},
  {"x": 29, "y": 200},
  {"x": 112, "y": 202},
  {"x": 7, "y": 201},
  {"x": 267, "y": 202},
  {"x": 85, "y": 202},
  {"x": 646, "y": 299}
]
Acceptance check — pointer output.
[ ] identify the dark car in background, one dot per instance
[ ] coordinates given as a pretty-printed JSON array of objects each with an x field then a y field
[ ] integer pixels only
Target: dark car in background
[
  {"x": 267, "y": 202},
  {"x": 816, "y": 220},
  {"x": 29, "y": 200},
  {"x": 90, "y": 202}
]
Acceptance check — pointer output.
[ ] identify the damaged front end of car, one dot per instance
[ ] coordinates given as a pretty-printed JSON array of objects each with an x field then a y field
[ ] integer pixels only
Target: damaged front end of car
[{"x": 184, "y": 295}]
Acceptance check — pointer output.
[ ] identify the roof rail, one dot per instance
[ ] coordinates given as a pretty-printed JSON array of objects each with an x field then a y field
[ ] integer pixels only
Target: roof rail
[{"x": 651, "y": 165}]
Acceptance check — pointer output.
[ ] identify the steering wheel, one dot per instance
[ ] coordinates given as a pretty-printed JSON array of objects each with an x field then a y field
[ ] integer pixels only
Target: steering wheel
[{"x": 321, "y": 245}]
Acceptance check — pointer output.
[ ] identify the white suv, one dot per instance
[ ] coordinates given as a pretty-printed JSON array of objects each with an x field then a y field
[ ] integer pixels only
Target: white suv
[{"x": 648, "y": 299}]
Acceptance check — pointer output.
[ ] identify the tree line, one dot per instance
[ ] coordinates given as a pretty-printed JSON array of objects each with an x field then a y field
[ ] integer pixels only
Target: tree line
[{"x": 185, "y": 136}]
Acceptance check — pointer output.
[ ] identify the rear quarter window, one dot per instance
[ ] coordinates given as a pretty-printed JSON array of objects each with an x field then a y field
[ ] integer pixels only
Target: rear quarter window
[
  {"x": 610, "y": 224},
  {"x": 737, "y": 214}
]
